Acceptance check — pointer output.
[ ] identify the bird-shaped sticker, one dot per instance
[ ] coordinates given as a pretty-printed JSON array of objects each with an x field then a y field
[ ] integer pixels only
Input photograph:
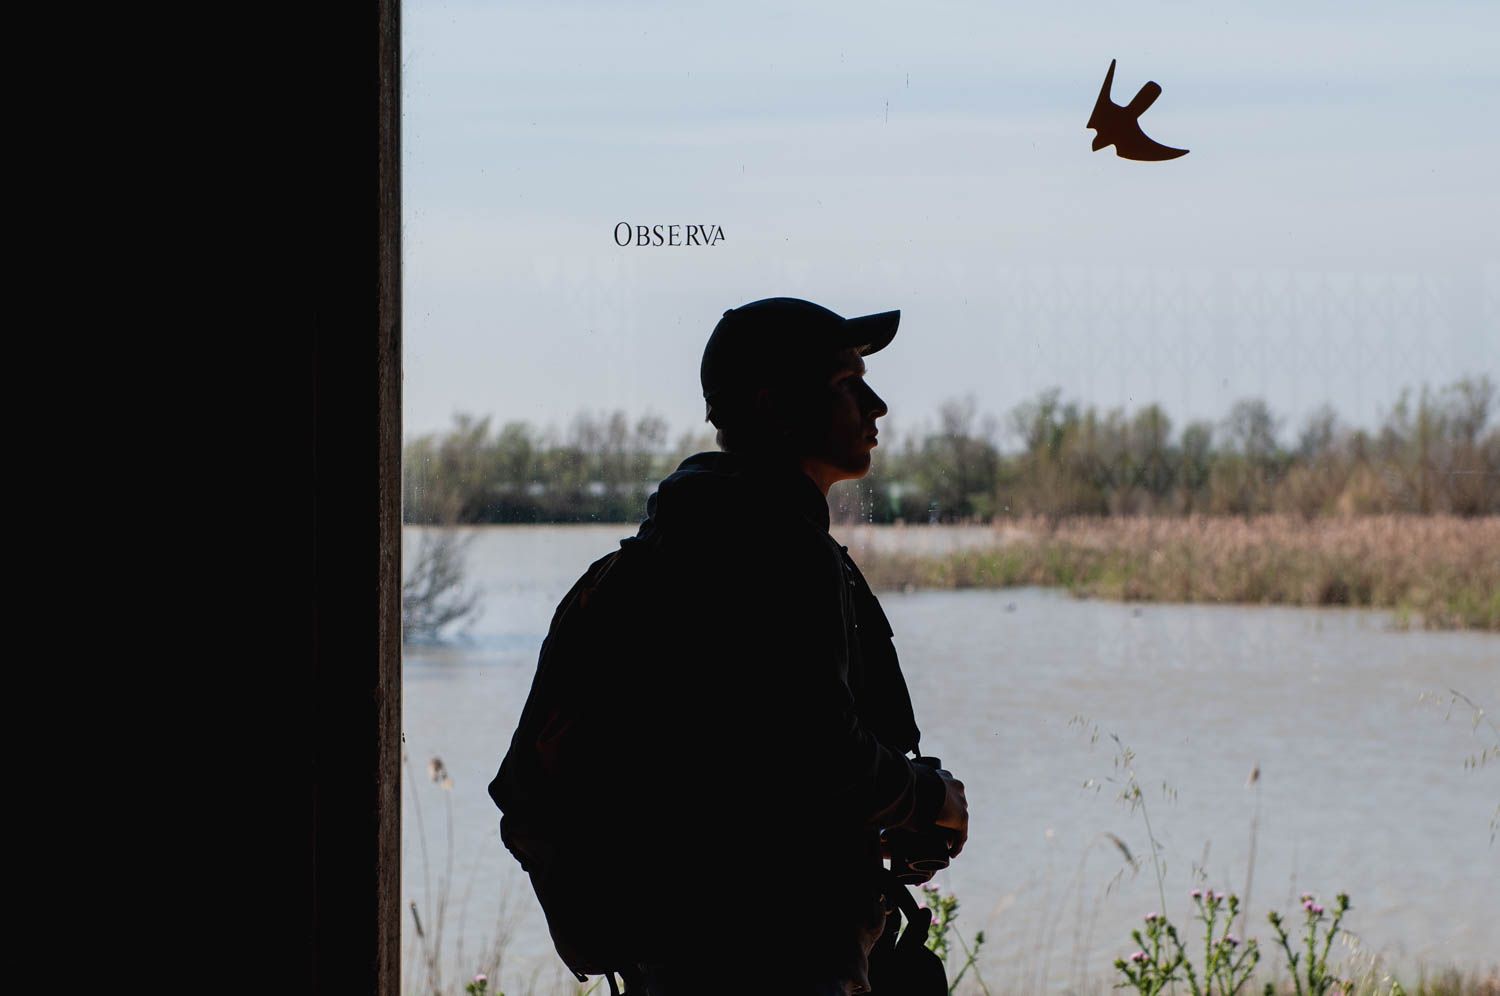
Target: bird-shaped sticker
[{"x": 1121, "y": 126}]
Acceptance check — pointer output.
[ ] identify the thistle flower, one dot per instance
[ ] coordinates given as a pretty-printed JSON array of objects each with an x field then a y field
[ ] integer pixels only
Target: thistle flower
[
  {"x": 1317, "y": 910},
  {"x": 1139, "y": 956},
  {"x": 1219, "y": 896},
  {"x": 1196, "y": 893},
  {"x": 481, "y": 978},
  {"x": 1231, "y": 940},
  {"x": 1150, "y": 917}
]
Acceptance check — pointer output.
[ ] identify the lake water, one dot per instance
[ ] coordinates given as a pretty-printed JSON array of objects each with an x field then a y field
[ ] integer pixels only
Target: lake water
[{"x": 1363, "y": 786}]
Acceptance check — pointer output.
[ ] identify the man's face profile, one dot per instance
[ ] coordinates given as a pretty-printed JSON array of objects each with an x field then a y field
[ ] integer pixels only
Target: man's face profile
[{"x": 841, "y": 451}]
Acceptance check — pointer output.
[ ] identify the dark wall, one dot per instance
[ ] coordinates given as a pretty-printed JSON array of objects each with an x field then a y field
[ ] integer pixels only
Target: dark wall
[{"x": 352, "y": 218}]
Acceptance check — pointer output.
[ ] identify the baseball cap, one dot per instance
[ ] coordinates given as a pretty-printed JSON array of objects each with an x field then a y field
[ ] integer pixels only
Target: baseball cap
[{"x": 779, "y": 338}]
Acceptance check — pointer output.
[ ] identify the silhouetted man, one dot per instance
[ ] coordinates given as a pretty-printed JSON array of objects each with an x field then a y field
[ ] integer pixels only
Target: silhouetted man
[{"x": 770, "y": 706}]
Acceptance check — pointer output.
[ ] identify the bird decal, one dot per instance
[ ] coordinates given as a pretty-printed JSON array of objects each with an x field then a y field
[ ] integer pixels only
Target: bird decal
[{"x": 1121, "y": 126}]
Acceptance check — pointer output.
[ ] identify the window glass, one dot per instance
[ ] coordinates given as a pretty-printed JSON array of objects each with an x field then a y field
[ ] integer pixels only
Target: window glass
[{"x": 1244, "y": 401}]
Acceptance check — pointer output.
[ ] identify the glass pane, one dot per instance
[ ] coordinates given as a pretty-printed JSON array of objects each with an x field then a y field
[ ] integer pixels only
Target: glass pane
[{"x": 1243, "y": 401}]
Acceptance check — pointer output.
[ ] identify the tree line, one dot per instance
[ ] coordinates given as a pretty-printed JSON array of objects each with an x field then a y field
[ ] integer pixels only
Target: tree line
[{"x": 1433, "y": 452}]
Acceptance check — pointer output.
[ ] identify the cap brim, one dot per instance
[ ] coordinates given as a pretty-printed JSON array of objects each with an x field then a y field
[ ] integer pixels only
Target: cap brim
[{"x": 871, "y": 333}]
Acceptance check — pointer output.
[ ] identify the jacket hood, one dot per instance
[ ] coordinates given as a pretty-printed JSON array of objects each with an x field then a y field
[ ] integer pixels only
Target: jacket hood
[
  {"x": 708, "y": 489},
  {"x": 711, "y": 489}
]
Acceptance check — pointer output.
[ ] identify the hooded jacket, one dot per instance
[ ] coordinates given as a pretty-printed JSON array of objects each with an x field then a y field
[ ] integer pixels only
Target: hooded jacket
[{"x": 770, "y": 690}]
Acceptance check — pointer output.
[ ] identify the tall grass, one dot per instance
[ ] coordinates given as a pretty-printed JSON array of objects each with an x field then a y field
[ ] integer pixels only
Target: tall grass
[
  {"x": 1434, "y": 571},
  {"x": 433, "y": 966},
  {"x": 437, "y": 965}
]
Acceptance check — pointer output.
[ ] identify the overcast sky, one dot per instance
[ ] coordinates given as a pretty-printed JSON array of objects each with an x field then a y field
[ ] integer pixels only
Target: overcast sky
[{"x": 1332, "y": 236}]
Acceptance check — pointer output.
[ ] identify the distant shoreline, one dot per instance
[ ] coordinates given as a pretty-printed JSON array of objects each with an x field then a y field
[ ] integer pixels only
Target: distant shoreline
[
  {"x": 1432, "y": 571},
  {"x": 1437, "y": 572}
]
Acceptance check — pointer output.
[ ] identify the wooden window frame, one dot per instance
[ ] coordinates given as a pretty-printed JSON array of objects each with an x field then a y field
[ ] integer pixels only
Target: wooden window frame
[{"x": 354, "y": 216}]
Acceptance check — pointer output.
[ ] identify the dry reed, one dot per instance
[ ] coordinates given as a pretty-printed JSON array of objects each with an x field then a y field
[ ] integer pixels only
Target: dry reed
[{"x": 1434, "y": 571}]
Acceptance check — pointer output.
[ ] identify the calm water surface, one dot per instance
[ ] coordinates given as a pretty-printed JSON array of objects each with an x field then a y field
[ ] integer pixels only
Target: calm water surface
[{"x": 1363, "y": 786}]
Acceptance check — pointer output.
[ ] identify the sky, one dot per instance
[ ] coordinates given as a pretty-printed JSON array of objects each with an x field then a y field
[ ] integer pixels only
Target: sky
[{"x": 1332, "y": 236}]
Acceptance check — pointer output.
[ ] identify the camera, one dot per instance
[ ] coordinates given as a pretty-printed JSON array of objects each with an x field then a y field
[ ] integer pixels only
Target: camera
[{"x": 917, "y": 855}]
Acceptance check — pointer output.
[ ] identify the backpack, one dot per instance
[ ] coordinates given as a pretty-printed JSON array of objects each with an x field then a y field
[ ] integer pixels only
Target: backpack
[{"x": 550, "y": 775}]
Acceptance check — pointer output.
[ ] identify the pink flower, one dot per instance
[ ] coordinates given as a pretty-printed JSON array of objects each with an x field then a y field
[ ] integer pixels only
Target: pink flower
[
  {"x": 1307, "y": 904},
  {"x": 1150, "y": 917},
  {"x": 1231, "y": 940},
  {"x": 1138, "y": 956},
  {"x": 1219, "y": 896},
  {"x": 1317, "y": 910},
  {"x": 481, "y": 977},
  {"x": 1196, "y": 893}
]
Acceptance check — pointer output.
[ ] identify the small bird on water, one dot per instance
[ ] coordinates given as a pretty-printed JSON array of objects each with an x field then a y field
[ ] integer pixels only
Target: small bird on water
[{"x": 1121, "y": 126}]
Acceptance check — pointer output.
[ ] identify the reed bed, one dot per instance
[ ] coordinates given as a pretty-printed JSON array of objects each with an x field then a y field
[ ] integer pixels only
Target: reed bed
[{"x": 1440, "y": 572}]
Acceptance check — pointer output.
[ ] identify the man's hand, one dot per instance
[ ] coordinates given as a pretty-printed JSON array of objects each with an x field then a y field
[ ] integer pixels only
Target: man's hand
[{"x": 955, "y": 812}]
